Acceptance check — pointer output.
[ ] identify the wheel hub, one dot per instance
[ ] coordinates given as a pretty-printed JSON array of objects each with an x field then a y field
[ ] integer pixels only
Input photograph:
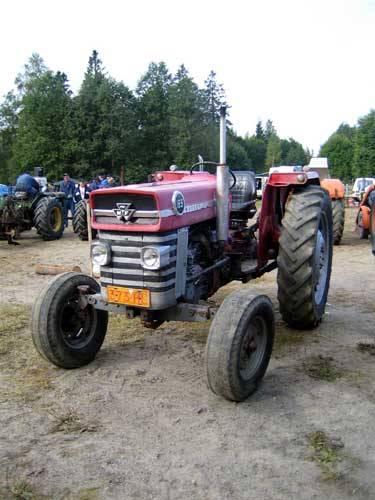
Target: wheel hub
[
  {"x": 77, "y": 324},
  {"x": 253, "y": 348}
]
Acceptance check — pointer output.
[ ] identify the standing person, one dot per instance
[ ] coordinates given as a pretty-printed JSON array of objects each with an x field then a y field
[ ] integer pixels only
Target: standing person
[
  {"x": 81, "y": 192},
  {"x": 67, "y": 186},
  {"x": 26, "y": 182}
]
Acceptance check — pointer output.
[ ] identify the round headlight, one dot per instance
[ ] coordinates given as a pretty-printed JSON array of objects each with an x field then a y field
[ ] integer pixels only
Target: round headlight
[
  {"x": 150, "y": 257},
  {"x": 100, "y": 254}
]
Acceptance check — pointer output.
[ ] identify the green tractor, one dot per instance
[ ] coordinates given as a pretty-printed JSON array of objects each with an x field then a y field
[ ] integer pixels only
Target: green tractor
[{"x": 20, "y": 213}]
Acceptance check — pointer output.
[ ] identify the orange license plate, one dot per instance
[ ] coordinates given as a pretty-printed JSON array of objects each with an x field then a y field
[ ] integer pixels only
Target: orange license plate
[{"x": 128, "y": 296}]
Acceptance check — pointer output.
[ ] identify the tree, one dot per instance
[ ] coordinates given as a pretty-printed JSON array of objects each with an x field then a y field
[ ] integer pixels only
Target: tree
[
  {"x": 186, "y": 132},
  {"x": 273, "y": 154},
  {"x": 270, "y": 131},
  {"x": 292, "y": 153},
  {"x": 259, "y": 132},
  {"x": 339, "y": 150},
  {"x": 42, "y": 123},
  {"x": 256, "y": 151},
  {"x": 364, "y": 149},
  {"x": 153, "y": 117}
]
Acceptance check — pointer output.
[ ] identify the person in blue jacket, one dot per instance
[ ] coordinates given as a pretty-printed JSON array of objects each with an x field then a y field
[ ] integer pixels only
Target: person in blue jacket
[
  {"x": 103, "y": 181},
  {"x": 26, "y": 182},
  {"x": 67, "y": 186}
]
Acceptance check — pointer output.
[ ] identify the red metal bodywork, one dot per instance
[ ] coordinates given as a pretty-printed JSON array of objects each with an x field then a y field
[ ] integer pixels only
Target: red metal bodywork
[
  {"x": 275, "y": 196},
  {"x": 198, "y": 189}
]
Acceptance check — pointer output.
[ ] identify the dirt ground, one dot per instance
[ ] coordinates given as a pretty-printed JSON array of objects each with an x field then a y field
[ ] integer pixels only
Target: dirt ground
[{"x": 140, "y": 423}]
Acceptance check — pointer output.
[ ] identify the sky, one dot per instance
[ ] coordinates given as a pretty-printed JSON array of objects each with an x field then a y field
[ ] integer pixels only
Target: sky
[{"x": 308, "y": 65}]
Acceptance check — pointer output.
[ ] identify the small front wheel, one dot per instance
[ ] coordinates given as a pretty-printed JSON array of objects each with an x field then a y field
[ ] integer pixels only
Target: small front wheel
[
  {"x": 63, "y": 330},
  {"x": 239, "y": 345}
]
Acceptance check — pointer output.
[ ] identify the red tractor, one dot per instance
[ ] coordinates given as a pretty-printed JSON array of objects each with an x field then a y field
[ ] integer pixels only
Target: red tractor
[{"x": 166, "y": 246}]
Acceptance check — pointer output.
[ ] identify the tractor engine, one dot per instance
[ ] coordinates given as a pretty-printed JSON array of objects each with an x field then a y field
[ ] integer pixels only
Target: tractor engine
[{"x": 157, "y": 242}]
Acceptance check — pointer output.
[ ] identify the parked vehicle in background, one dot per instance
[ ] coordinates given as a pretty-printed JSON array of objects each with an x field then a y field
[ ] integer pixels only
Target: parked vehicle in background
[
  {"x": 4, "y": 190},
  {"x": 359, "y": 188},
  {"x": 364, "y": 217},
  {"x": 260, "y": 184},
  {"x": 336, "y": 190}
]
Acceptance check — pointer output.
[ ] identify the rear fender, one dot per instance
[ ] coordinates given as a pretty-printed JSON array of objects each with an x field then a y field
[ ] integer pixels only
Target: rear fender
[
  {"x": 335, "y": 188},
  {"x": 365, "y": 211},
  {"x": 275, "y": 196}
]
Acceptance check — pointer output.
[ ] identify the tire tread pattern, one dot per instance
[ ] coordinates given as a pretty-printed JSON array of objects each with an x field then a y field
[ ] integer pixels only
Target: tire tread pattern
[{"x": 295, "y": 259}]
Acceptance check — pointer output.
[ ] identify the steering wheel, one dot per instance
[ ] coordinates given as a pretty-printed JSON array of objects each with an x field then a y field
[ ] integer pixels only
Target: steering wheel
[{"x": 216, "y": 164}]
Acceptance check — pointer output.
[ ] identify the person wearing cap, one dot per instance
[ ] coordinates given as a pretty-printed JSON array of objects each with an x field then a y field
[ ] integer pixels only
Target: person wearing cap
[{"x": 67, "y": 186}]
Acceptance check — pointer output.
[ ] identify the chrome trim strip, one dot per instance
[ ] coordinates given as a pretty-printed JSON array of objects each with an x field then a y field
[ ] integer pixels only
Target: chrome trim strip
[
  {"x": 143, "y": 273},
  {"x": 134, "y": 260},
  {"x": 137, "y": 214},
  {"x": 167, "y": 212},
  {"x": 146, "y": 238}
]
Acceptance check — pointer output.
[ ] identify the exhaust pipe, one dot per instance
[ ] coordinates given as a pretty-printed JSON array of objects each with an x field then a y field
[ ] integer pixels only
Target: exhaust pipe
[{"x": 222, "y": 183}]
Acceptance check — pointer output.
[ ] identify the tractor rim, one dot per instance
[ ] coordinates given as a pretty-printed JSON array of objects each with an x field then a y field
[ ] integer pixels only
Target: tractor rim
[
  {"x": 55, "y": 219},
  {"x": 321, "y": 257},
  {"x": 77, "y": 325},
  {"x": 253, "y": 348}
]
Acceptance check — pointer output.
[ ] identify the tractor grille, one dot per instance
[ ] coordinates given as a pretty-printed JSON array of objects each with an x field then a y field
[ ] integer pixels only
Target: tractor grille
[
  {"x": 143, "y": 208},
  {"x": 125, "y": 268}
]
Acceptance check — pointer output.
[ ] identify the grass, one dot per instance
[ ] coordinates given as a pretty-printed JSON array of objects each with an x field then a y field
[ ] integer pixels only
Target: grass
[
  {"x": 20, "y": 489},
  {"x": 323, "y": 368},
  {"x": 366, "y": 347},
  {"x": 327, "y": 453},
  {"x": 14, "y": 319},
  {"x": 70, "y": 422}
]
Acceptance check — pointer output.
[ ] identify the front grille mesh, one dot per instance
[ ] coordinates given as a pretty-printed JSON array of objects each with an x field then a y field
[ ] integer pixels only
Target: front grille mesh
[{"x": 125, "y": 268}]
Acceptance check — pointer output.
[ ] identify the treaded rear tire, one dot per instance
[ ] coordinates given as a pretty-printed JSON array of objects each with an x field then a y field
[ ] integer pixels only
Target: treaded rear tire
[
  {"x": 49, "y": 218},
  {"x": 243, "y": 318},
  {"x": 80, "y": 221},
  {"x": 372, "y": 228},
  {"x": 338, "y": 217},
  {"x": 305, "y": 257},
  {"x": 51, "y": 319},
  {"x": 362, "y": 231}
]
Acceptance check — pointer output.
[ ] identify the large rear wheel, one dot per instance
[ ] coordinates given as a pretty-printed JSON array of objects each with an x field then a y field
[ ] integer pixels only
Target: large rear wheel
[
  {"x": 305, "y": 257},
  {"x": 362, "y": 231},
  {"x": 372, "y": 228},
  {"x": 63, "y": 330},
  {"x": 49, "y": 218},
  {"x": 338, "y": 216},
  {"x": 239, "y": 345},
  {"x": 80, "y": 221}
]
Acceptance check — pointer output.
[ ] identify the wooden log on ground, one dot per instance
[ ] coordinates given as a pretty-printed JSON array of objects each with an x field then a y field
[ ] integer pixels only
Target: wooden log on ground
[{"x": 55, "y": 269}]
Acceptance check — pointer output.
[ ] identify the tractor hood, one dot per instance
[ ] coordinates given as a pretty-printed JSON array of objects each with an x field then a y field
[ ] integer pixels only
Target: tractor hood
[{"x": 176, "y": 199}]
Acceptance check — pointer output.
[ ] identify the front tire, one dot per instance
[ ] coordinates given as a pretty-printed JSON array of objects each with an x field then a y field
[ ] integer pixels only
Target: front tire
[
  {"x": 239, "y": 345},
  {"x": 305, "y": 257},
  {"x": 49, "y": 218},
  {"x": 338, "y": 216},
  {"x": 64, "y": 333}
]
